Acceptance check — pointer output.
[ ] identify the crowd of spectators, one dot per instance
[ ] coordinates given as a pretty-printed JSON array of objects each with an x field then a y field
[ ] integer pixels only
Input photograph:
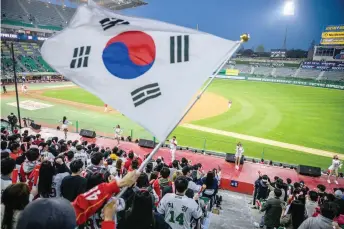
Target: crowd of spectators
[
  {"x": 54, "y": 183},
  {"x": 293, "y": 205}
]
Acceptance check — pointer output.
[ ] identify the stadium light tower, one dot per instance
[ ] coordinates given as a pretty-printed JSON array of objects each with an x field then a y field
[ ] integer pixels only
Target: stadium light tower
[{"x": 288, "y": 10}]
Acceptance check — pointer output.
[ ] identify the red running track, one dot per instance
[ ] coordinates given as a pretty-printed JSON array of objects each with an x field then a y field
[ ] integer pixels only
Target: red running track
[{"x": 245, "y": 176}]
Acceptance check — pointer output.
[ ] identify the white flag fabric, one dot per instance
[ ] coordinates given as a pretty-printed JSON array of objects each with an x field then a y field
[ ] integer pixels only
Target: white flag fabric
[{"x": 148, "y": 70}]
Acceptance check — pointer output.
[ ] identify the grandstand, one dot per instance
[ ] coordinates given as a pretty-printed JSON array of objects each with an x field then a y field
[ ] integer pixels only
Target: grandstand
[
  {"x": 26, "y": 23},
  {"x": 41, "y": 19}
]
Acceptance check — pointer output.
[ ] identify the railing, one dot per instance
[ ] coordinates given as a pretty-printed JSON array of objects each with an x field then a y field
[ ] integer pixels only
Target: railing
[{"x": 197, "y": 144}]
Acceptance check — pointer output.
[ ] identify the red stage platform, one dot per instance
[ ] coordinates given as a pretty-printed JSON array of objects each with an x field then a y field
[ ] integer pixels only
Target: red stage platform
[{"x": 245, "y": 176}]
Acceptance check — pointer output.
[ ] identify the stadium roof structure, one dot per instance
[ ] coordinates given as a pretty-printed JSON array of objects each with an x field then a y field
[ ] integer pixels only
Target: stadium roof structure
[{"x": 114, "y": 4}]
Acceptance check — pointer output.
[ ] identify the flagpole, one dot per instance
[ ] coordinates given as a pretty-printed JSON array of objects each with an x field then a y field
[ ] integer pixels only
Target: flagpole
[{"x": 156, "y": 148}]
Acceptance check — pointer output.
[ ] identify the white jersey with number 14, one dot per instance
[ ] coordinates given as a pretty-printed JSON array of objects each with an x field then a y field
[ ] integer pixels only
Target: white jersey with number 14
[{"x": 179, "y": 210}]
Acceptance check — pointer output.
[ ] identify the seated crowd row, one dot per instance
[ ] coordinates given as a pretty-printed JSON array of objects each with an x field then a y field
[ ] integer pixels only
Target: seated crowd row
[{"x": 70, "y": 184}]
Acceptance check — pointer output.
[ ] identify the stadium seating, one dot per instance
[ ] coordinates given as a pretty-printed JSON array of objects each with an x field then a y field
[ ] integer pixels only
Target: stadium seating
[
  {"x": 246, "y": 69},
  {"x": 308, "y": 73},
  {"x": 265, "y": 71},
  {"x": 27, "y": 55},
  {"x": 12, "y": 11},
  {"x": 333, "y": 76},
  {"x": 285, "y": 72},
  {"x": 35, "y": 14}
]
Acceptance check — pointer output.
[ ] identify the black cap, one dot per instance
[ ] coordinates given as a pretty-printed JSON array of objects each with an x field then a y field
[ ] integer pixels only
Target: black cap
[{"x": 52, "y": 213}]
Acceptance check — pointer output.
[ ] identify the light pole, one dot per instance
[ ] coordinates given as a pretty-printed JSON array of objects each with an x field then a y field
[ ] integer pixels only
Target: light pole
[{"x": 288, "y": 10}]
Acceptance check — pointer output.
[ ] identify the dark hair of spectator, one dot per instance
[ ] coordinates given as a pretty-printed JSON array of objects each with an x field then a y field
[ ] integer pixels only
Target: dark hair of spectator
[
  {"x": 46, "y": 173},
  {"x": 278, "y": 192},
  {"x": 165, "y": 172},
  {"x": 181, "y": 184},
  {"x": 321, "y": 187},
  {"x": 96, "y": 158},
  {"x": 149, "y": 167},
  {"x": 63, "y": 148},
  {"x": 135, "y": 164},
  {"x": 184, "y": 160},
  {"x": 109, "y": 161},
  {"x": 3, "y": 145},
  {"x": 94, "y": 179},
  {"x": 142, "y": 181},
  {"x": 7, "y": 165},
  {"x": 296, "y": 185},
  {"x": 69, "y": 155},
  {"x": 175, "y": 164},
  {"x": 79, "y": 147},
  {"x": 76, "y": 165},
  {"x": 330, "y": 197},
  {"x": 119, "y": 164},
  {"x": 185, "y": 170},
  {"x": 329, "y": 210},
  {"x": 288, "y": 181},
  {"x": 297, "y": 210},
  {"x": 159, "y": 167},
  {"x": 32, "y": 154},
  {"x": 313, "y": 195},
  {"x": 141, "y": 212},
  {"x": 209, "y": 180},
  {"x": 302, "y": 199},
  {"x": 154, "y": 175},
  {"x": 115, "y": 150},
  {"x": 131, "y": 155},
  {"x": 14, "y": 146},
  {"x": 15, "y": 197}
]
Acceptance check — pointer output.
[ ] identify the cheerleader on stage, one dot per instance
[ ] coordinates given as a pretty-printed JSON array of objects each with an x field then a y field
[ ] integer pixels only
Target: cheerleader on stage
[
  {"x": 64, "y": 125},
  {"x": 336, "y": 164},
  {"x": 118, "y": 133}
]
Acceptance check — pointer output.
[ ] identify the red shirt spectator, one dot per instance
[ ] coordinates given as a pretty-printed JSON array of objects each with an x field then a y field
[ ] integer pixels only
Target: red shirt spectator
[{"x": 129, "y": 160}]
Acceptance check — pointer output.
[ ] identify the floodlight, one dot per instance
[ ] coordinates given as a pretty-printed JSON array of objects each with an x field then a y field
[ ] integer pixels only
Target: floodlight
[{"x": 289, "y": 8}]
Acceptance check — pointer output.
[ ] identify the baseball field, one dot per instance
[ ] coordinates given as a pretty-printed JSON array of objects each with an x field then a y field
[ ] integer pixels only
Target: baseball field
[{"x": 279, "y": 122}]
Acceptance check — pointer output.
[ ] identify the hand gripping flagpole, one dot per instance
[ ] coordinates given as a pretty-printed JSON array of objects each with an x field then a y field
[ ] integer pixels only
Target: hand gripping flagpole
[{"x": 243, "y": 38}]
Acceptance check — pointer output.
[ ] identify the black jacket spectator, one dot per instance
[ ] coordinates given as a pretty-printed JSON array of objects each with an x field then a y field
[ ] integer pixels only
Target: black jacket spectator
[
  {"x": 262, "y": 188},
  {"x": 74, "y": 185},
  {"x": 273, "y": 210}
]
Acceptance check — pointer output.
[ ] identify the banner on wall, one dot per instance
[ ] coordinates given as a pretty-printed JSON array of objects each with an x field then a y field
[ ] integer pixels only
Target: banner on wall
[
  {"x": 334, "y": 28},
  {"x": 332, "y": 35},
  {"x": 332, "y": 41},
  {"x": 329, "y": 65},
  {"x": 232, "y": 72}
]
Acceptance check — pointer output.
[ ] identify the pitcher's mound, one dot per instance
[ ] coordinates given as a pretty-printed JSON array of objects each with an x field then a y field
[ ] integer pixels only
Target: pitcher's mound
[{"x": 208, "y": 106}]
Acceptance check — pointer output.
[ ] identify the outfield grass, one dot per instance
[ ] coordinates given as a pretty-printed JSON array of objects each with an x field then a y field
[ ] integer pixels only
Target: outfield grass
[
  {"x": 307, "y": 116},
  {"x": 226, "y": 144}
]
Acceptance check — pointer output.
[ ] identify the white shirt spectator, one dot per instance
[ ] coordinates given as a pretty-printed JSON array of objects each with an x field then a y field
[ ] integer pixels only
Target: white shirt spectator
[
  {"x": 81, "y": 155},
  {"x": 179, "y": 210}
]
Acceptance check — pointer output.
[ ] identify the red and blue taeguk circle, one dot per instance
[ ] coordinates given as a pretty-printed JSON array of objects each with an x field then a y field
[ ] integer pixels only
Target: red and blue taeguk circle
[{"x": 129, "y": 54}]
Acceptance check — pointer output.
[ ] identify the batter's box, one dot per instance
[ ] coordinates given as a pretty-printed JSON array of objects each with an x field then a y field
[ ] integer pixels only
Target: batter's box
[{"x": 30, "y": 105}]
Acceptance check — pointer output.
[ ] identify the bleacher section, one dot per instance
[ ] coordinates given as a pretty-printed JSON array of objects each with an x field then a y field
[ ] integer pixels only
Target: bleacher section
[
  {"x": 11, "y": 10},
  {"x": 333, "y": 76},
  {"x": 285, "y": 72},
  {"x": 308, "y": 74},
  {"x": 243, "y": 68},
  {"x": 265, "y": 71},
  {"x": 27, "y": 55},
  {"x": 33, "y": 13}
]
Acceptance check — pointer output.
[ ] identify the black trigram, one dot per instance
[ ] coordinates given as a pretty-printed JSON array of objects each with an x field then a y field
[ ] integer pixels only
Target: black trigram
[
  {"x": 179, "y": 49},
  {"x": 107, "y": 23},
  {"x": 80, "y": 57},
  {"x": 147, "y": 92}
]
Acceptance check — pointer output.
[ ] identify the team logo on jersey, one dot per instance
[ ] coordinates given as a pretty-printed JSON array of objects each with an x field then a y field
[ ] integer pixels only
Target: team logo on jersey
[{"x": 129, "y": 54}]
